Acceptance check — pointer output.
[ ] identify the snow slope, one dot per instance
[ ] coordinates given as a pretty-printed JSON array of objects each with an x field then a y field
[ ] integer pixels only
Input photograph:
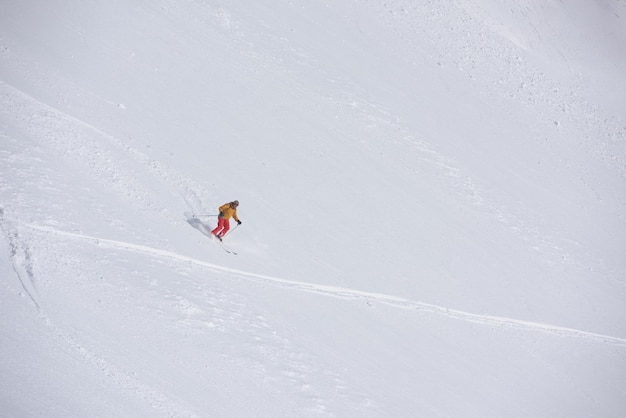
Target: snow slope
[{"x": 432, "y": 196}]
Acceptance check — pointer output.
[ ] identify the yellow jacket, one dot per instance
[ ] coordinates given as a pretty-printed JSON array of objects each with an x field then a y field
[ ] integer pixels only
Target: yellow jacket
[{"x": 227, "y": 212}]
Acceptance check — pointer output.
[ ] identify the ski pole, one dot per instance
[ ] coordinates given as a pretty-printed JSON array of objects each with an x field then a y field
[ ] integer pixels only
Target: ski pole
[{"x": 203, "y": 214}]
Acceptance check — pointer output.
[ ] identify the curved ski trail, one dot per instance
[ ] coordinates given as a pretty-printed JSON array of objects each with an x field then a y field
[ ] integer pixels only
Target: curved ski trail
[{"x": 346, "y": 293}]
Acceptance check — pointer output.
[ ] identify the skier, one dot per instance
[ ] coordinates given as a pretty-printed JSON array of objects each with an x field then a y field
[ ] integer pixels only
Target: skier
[{"x": 227, "y": 211}]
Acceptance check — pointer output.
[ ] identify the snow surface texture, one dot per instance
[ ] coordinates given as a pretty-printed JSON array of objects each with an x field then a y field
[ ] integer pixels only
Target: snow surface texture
[{"x": 433, "y": 197}]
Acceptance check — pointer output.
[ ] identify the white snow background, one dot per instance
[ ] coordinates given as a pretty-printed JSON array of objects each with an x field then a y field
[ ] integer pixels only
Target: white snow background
[{"x": 433, "y": 197}]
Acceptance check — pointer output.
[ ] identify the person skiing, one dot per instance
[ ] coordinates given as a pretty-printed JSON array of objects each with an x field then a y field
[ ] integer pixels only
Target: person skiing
[{"x": 227, "y": 211}]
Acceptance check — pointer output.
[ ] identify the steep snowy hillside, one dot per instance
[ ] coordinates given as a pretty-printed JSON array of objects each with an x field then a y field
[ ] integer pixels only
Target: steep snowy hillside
[{"x": 432, "y": 196}]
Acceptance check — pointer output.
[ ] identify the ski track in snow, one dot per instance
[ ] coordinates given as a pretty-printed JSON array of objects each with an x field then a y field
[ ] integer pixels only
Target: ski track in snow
[
  {"x": 67, "y": 135},
  {"x": 22, "y": 266},
  {"x": 345, "y": 293},
  {"x": 20, "y": 256}
]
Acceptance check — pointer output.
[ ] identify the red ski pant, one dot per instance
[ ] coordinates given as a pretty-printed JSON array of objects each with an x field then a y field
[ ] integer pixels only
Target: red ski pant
[{"x": 223, "y": 225}]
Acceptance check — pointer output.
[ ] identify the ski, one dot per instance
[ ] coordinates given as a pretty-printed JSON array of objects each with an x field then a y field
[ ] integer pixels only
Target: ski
[{"x": 221, "y": 244}]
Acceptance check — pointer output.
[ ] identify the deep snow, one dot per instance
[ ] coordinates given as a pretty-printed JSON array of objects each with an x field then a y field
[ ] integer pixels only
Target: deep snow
[{"x": 432, "y": 196}]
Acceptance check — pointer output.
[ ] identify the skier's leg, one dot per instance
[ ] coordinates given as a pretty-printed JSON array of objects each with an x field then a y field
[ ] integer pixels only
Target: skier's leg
[
  {"x": 226, "y": 227},
  {"x": 219, "y": 227}
]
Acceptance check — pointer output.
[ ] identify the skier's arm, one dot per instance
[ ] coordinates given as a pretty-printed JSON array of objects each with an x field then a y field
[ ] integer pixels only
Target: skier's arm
[{"x": 223, "y": 208}]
